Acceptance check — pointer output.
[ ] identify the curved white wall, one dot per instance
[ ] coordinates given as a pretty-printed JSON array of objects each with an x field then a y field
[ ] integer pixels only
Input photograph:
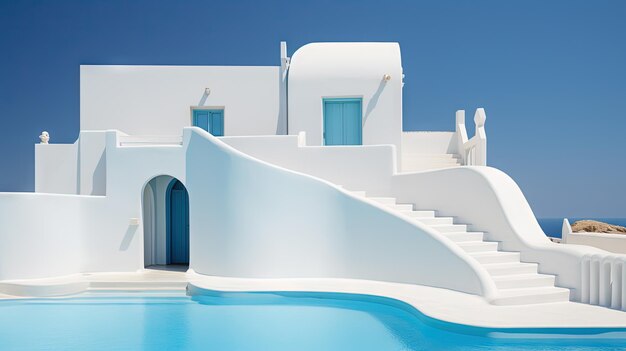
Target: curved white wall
[
  {"x": 311, "y": 228},
  {"x": 356, "y": 168},
  {"x": 327, "y": 70},
  {"x": 40, "y": 234}
]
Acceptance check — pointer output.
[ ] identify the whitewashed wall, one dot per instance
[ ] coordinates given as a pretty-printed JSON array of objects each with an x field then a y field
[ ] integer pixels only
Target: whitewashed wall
[
  {"x": 429, "y": 143},
  {"x": 56, "y": 168},
  {"x": 41, "y": 234},
  {"x": 615, "y": 243},
  {"x": 156, "y": 100},
  {"x": 311, "y": 229},
  {"x": 92, "y": 163},
  {"x": 327, "y": 70},
  {"x": 367, "y": 168}
]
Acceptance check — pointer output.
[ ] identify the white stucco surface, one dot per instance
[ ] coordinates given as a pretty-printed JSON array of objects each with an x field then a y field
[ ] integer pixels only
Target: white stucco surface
[
  {"x": 610, "y": 242},
  {"x": 339, "y": 70},
  {"x": 429, "y": 143},
  {"x": 312, "y": 229},
  {"x": 157, "y": 100},
  {"x": 356, "y": 168},
  {"x": 56, "y": 168},
  {"x": 41, "y": 234},
  {"x": 327, "y": 233},
  {"x": 441, "y": 304}
]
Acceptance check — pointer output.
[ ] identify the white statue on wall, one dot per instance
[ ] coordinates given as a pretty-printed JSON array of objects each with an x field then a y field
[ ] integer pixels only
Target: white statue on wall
[{"x": 44, "y": 137}]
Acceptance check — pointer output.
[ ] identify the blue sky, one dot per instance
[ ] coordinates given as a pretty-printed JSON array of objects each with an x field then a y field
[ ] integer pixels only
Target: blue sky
[{"x": 550, "y": 74}]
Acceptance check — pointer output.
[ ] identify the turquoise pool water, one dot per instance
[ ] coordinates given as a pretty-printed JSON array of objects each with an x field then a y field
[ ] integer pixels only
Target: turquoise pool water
[{"x": 255, "y": 321}]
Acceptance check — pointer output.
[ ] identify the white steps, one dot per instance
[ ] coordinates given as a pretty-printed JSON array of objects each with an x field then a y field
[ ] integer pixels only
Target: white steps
[
  {"x": 419, "y": 214},
  {"x": 478, "y": 246},
  {"x": 384, "y": 200},
  {"x": 449, "y": 228},
  {"x": 527, "y": 296},
  {"x": 517, "y": 282},
  {"x": 510, "y": 268},
  {"x": 436, "y": 220},
  {"x": 411, "y": 162},
  {"x": 523, "y": 281},
  {"x": 496, "y": 257},
  {"x": 402, "y": 207},
  {"x": 464, "y": 236}
]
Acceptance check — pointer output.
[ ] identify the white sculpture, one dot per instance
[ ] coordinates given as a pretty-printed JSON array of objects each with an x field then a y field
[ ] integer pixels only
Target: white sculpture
[{"x": 44, "y": 137}]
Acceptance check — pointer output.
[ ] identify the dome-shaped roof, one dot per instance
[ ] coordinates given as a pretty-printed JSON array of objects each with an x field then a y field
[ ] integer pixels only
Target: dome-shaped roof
[{"x": 338, "y": 60}]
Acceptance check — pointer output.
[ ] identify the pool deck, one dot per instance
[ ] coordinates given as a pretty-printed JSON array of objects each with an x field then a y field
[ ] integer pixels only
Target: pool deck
[{"x": 442, "y": 304}]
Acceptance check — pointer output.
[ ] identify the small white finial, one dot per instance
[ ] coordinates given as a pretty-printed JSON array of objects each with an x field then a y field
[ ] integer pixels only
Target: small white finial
[
  {"x": 387, "y": 77},
  {"x": 44, "y": 137},
  {"x": 480, "y": 117}
]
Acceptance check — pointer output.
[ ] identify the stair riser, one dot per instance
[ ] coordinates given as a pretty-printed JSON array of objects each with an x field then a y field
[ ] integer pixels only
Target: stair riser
[
  {"x": 525, "y": 283},
  {"x": 558, "y": 296},
  {"x": 451, "y": 228},
  {"x": 437, "y": 221},
  {"x": 384, "y": 200},
  {"x": 402, "y": 207},
  {"x": 419, "y": 214},
  {"x": 521, "y": 269},
  {"x": 515, "y": 257},
  {"x": 464, "y": 237},
  {"x": 488, "y": 247}
]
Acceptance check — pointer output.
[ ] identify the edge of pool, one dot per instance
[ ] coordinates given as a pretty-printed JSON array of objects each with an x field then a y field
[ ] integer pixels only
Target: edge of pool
[
  {"x": 441, "y": 308},
  {"x": 497, "y": 332}
]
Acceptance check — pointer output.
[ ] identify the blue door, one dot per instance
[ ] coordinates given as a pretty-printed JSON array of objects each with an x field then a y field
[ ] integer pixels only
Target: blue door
[
  {"x": 342, "y": 122},
  {"x": 178, "y": 223},
  {"x": 210, "y": 120}
]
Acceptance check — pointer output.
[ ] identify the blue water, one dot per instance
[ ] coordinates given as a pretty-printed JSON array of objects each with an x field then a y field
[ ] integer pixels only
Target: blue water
[
  {"x": 552, "y": 226},
  {"x": 256, "y": 321}
]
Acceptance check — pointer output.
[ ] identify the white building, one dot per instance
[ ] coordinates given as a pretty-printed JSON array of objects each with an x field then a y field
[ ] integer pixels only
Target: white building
[{"x": 308, "y": 174}]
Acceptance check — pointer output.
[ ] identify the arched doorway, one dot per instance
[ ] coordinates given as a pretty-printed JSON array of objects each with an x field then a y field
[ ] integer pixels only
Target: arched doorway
[
  {"x": 165, "y": 205},
  {"x": 177, "y": 223}
]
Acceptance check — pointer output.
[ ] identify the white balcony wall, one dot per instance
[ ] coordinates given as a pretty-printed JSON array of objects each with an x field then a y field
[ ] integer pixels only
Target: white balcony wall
[
  {"x": 366, "y": 168},
  {"x": 56, "y": 169}
]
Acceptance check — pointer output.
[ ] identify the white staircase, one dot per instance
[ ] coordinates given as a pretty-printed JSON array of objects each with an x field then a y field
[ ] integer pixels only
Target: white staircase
[
  {"x": 412, "y": 162},
  {"x": 518, "y": 282}
]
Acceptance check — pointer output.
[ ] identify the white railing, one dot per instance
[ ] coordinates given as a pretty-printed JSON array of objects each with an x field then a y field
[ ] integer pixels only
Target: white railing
[
  {"x": 603, "y": 281},
  {"x": 473, "y": 151},
  {"x": 150, "y": 140}
]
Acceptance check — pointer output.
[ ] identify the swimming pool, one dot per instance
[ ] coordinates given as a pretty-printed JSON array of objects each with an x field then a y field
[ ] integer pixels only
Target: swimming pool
[{"x": 255, "y": 321}]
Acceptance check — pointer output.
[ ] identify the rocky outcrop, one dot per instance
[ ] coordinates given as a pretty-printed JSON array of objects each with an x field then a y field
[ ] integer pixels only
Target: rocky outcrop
[{"x": 590, "y": 226}]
